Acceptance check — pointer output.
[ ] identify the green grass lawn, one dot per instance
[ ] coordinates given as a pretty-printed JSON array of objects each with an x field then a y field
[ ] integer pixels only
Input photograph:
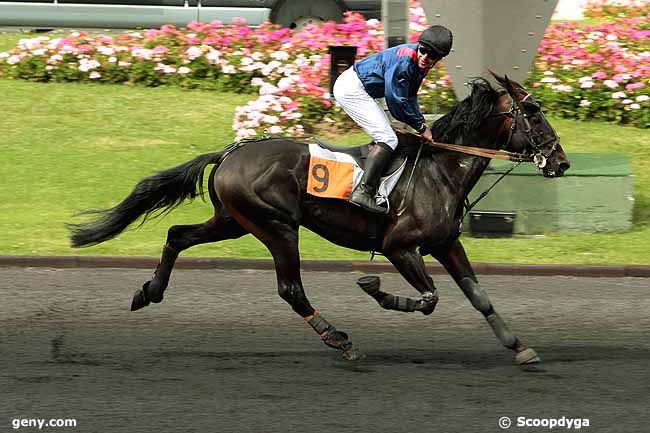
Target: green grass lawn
[{"x": 69, "y": 147}]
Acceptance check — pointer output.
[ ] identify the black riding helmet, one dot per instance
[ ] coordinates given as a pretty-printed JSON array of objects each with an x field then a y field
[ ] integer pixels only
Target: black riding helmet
[{"x": 438, "y": 39}]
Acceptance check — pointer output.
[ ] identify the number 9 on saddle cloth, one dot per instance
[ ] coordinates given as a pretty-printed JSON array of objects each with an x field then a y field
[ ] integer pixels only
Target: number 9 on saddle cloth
[{"x": 335, "y": 171}]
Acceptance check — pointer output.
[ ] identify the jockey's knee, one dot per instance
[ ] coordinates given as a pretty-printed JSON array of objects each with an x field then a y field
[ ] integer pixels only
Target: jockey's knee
[{"x": 391, "y": 140}]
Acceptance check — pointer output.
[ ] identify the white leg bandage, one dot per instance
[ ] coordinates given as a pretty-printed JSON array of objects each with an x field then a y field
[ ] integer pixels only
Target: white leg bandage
[{"x": 363, "y": 109}]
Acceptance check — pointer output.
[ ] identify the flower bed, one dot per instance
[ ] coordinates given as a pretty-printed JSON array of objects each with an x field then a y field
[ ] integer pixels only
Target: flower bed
[
  {"x": 612, "y": 9},
  {"x": 600, "y": 71},
  {"x": 591, "y": 72}
]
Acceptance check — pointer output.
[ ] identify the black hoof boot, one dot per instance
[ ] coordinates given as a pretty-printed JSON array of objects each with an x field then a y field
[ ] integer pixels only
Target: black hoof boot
[
  {"x": 154, "y": 291},
  {"x": 139, "y": 300}
]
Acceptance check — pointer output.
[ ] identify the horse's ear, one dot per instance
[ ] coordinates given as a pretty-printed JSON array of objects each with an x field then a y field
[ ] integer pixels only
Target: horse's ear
[
  {"x": 508, "y": 85},
  {"x": 497, "y": 77}
]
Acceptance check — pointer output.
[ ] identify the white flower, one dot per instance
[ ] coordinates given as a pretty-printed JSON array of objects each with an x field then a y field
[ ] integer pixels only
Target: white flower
[
  {"x": 549, "y": 80},
  {"x": 275, "y": 129},
  {"x": 286, "y": 83},
  {"x": 55, "y": 58},
  {"x": 611, "y": 37},
  {"x": 184, "y": 70},
  {"x": 562, "y": 88},
  {"x": 626, "y": 101},
  {"x": 193, "y": 52},
  {"x": 94, "y": 75},
  {"x": 585, "y": 103},
  {"x": 642, "y": 98},
  {"x": 86, "y": 65},
  {"x": 123, "y": 64},
  {"x": 618, "y": 95},
  {"x": 4, "y": 55},
  {"x": 583, "y": 79},
  {"x": 213, "y": 56},
  {"x": 228, "y": 69},
  {"x": 142, "y": 53},
  {"x": 257, "y": 81},
  {"x": 267, "y": 89},
  {"x": 548, "y": 72},
  {"x": 280, "y": 55},
  {"x": 635, "y": 106},
  {"x": 587, "y": 85},
  {"x": 611, "y": 84},
  {"x": 107, "y": 51},
  {"x": 112, "y": 59},
  {"x": 271, "y": 119},
  {"x": 13, "y": 60}
]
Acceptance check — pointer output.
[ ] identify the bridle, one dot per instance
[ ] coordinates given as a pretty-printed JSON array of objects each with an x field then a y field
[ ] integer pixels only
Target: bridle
[{"x": 517, "y": 112}]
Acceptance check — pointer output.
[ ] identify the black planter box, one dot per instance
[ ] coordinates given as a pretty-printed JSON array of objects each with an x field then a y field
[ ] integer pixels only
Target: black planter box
[{"x": 494, "y": 224}]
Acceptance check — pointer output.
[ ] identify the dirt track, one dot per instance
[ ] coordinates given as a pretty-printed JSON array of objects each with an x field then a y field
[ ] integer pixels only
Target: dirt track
[{"x": 223, "y": 353}]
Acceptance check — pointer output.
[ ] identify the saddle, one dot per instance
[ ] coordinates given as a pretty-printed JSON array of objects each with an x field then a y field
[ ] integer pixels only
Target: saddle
[{"x": 360, "y": 153}]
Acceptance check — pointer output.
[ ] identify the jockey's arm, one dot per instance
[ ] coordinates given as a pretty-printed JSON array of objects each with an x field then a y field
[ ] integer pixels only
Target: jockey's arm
[{"x": 402, "y": 107}]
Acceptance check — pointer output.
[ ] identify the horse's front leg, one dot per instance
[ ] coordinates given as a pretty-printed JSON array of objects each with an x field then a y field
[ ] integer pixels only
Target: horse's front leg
[
  {"x": 410, "y": 264},
  {"x": 455, "y": 261}
]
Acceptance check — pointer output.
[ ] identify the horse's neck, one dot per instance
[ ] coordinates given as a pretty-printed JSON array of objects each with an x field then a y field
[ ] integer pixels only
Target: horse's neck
[{"x": 463, "y": 171}]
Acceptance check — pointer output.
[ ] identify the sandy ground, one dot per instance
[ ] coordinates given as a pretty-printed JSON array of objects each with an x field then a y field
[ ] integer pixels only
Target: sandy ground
[{"x": 223, "y": 353}]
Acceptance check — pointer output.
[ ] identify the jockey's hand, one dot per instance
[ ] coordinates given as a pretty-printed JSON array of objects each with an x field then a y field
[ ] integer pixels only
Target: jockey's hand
[{"x": 427, "y": 135}]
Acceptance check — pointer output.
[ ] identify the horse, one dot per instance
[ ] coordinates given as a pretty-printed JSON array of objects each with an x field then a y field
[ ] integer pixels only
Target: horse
[{"x": 259, "y": 188}]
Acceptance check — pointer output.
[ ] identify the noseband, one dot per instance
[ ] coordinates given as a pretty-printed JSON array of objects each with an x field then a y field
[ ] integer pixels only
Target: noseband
[{"x": 517, "y": 113}]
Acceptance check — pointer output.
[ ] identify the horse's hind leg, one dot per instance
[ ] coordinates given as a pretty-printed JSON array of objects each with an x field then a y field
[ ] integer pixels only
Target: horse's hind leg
[
  {"x": 179, "y": 238},
  {"x": 455, "y": 261},
  {"x": 282, "y": 241}
]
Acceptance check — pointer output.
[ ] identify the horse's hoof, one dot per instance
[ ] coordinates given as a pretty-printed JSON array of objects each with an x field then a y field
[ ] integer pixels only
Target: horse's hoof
[
  {"x": 152, "y": 293},
  {"x": 353, "y": 354},
  {"x": 527, "y": 356},
  {"x": 139, "y": 300}
]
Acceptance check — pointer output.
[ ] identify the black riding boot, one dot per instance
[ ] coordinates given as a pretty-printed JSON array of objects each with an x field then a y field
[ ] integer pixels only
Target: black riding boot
[{"x": 364, "y": 194}]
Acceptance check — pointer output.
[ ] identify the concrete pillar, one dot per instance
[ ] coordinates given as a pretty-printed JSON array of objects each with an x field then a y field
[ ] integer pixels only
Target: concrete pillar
[{"x": 502, "y": 35}]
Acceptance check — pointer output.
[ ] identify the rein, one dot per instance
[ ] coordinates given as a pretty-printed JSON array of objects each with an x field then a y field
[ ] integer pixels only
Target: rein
[{"x": 478, "y": 151}]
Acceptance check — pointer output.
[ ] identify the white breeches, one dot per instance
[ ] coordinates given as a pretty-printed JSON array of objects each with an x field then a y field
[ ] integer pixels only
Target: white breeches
[{"x": 363, "y": 109}]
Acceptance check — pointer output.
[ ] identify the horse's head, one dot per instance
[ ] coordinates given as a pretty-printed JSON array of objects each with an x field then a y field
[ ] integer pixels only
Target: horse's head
[{"x": 529, "y": 130}]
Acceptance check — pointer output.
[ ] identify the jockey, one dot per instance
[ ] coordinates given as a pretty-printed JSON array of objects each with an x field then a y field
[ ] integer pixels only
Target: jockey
[{"x": 396, "y": 75}]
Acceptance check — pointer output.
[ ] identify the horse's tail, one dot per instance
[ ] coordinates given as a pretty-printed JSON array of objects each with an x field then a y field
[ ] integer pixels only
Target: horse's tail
[{"x": 161, "y": 192}]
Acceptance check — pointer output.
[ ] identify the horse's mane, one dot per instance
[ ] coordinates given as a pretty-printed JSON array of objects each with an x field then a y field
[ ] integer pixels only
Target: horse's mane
[{"x": 466, "y": 116}]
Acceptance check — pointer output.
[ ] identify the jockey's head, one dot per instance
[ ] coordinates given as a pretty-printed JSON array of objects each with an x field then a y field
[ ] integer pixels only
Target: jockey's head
[{"x": 434, "y": 44}]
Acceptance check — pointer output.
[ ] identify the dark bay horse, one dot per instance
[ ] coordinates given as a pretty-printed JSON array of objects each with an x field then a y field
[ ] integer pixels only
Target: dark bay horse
[{"x": 260, "y": 188}]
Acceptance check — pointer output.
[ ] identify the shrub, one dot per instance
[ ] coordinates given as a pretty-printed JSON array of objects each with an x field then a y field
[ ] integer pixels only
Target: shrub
[
  {"x": 585, "y": 72},
  {"x": 596, "y": 72}
]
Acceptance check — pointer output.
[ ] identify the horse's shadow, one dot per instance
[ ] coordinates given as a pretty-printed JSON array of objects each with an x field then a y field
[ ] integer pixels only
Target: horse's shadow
[{"x": 552, "y": 356}]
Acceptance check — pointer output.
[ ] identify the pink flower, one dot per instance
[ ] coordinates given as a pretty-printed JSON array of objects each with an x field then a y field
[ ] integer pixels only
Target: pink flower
[{"x": 633, "y": 86}]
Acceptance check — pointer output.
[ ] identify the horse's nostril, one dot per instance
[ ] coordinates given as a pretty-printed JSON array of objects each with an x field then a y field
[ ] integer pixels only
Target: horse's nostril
[{"x": 564, "y": 166}]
